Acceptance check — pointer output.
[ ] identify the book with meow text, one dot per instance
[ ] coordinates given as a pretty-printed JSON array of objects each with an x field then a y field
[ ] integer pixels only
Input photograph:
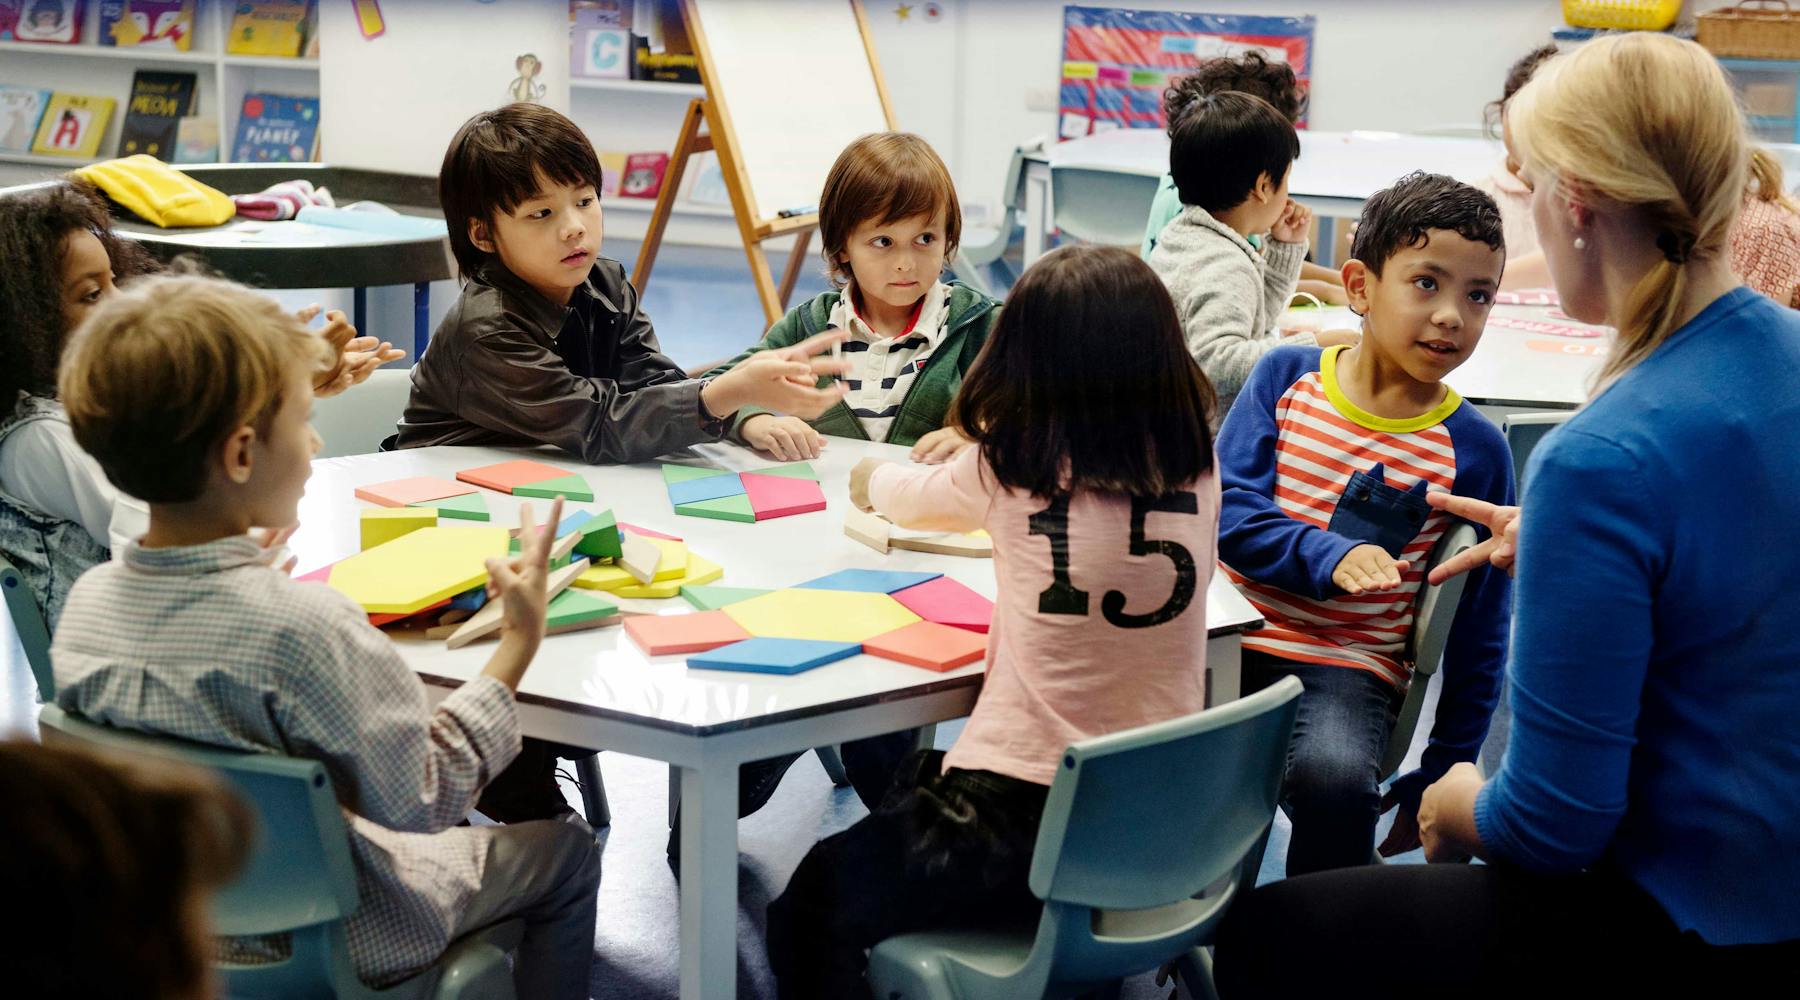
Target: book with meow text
[{"x": 159, "y": 100}]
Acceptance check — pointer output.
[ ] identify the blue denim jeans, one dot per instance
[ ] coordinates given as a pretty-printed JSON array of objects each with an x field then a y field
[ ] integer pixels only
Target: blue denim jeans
[{"x": 1332, "y": 788}]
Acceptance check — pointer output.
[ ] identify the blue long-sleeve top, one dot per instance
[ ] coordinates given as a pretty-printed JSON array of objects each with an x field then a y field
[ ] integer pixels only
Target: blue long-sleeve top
[
  {"x": 1290, "y": 510},
  {"x": 1656, "y": 665}
]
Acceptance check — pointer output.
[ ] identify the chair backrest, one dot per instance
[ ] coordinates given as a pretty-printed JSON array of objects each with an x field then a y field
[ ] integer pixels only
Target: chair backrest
[
  {"x": 299, "y": 873},
  {"x": 354, "y": 421},
  {"x": 1523, "y": 432},
  {"x": 1155, "y": 815},
  {"x": 1433, "y": 614},
  {"x": 1102, "y": 206},
  {"x": 28, "y": 622}
]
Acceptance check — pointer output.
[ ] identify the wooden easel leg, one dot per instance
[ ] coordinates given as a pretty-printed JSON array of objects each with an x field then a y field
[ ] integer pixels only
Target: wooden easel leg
[
  {"x": 765, "y": 282},
  {"x": 686, "y": 145},
  {"x": 796, "y": 259}
]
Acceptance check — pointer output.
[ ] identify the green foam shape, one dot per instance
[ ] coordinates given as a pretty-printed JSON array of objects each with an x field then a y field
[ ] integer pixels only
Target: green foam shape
[
  {"x": 683, "y": 473},
  {"x": 569, "y": 487},
  {"x": 706, "y": 597},
  {"x": 736, "y": 508},
  {"x": 573, "y": 606},
  {"x": 793, "y": 470},
  {"x": 468, "y": 507},
  {"x": 599, "y": 537}
]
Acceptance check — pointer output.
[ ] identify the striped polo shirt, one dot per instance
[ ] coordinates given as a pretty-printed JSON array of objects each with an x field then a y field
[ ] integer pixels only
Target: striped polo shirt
[{"x": 883, "y": 368}]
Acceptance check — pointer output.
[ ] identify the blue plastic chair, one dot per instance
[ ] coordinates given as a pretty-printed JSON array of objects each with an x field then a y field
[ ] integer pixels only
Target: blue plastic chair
[
  {"x": 984, "y": 247},
  {"x": 1523, "y": 433},
  {"x": 1433, "y": 615},
  {"x": 1102, "y": 206},
  {"x": 28, "y": 622},
  {"x": 1138, "y": 825},
  {"x": 299, "y": 880}
]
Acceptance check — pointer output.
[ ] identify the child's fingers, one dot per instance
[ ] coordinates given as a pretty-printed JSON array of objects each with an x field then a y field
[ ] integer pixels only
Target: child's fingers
[
  {"x": 815, "y": 344},
  {"x": 501, "y": 577},
  {"x": 308, "y": 314},
  {"x": 1463, "y": 561}
]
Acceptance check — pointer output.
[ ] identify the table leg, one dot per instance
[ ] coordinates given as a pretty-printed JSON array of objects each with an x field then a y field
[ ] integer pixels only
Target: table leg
[
  {"x": 1037, "y": 210},
  {"x": 709, "y": 882},
  {"x": 1224, "y": 668}
]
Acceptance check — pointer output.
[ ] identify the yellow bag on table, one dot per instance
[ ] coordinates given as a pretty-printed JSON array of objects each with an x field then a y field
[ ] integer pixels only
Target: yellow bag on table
[{"x": 157, "y": 192}]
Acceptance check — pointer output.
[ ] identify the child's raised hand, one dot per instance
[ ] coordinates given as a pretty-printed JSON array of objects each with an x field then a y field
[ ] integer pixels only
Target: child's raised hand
[
  {"x": 784, "y": 380},
  {"x": 787, "y": 438},
  {"x": 940, "y": 446},
  {"x": 1294, "y": 224},
  {"x": 1368, "y": 567},
  {"x": 859, "y": 482},
  {"x": 519, "y": 581},
  {"x": 1501, "y": 547}
]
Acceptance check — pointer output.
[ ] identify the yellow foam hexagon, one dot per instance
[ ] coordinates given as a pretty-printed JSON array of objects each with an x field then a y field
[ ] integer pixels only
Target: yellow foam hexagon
[
  {"x": 381, "y": 525},
  {"x": 675, "y": 558},
  {"x": 418, "y": 569},
  {"x": 698, "y": 571},
  {"x": 826, "y": 615}
]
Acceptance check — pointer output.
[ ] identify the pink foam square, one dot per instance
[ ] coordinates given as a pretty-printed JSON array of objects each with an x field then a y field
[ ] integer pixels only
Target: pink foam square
[{"x": 780, "y": 496}]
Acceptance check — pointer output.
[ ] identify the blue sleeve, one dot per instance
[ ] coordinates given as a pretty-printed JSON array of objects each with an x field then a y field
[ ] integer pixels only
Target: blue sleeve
[
  {"x": 1256, "y": 537},
  {"x": 1590, "y": 554},
  {"x": 1475, "y": 653}
]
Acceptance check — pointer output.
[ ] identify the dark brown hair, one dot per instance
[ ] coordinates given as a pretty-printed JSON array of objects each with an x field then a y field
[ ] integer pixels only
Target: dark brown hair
[
  {"x": 1224, "y": 143},
  {"x": 1250, "y": 73},
  {"x": 497, "y": 161},
  {"x": 1518, "y": 75},
  {"x": 116, "y": 858},
  {"x": 1086, "y": 382},
  {"x": 885, "y": 177},
  {"x": 35, "y": 227},
  {"x": 1405, "y": 214}
]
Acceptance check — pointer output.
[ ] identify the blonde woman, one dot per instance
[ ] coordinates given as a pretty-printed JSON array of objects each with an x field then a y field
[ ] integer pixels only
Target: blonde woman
[{"x": 1640, "y": 833}]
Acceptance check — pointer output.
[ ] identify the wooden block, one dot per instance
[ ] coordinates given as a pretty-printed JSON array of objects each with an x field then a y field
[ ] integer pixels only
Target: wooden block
[
  {"x": 774, "y": 656},
  {"x": 418, "y": 569},
  {"x": 826, "y": 615},
  {"x": 673, "y": 474},
  {"x": 974, "y": 545},
  {"x": 441, "y": 631},
  {"x": 674, "y": 562},
  {"x": 584, "y": 625},
  {"x": 468, "y": 507},
  {"x": 705, "y": 598},
  {"x": 646, "y": 532},
  {"x": 567, "y": 487},
  {"x": 733, "y": 508},
  {"x": 503, "y": 476},
  {"x": 456, "y": 616},
  {"x": 948, "y": 602},
  {"x": 599, "y": 537},
  {"x": 492, "y": 614},
  {"x": 782, "y": 496},
  {"x": 792, "y": 470},
  {"x": 662, "y": 635},
  {"x": 640, "y": 557},
  {"x": 575, "y": 606},
  {"x": 379, "y": 620},
  {"x": 868, "y": 581},
  {"x": 929, "y": 645},
  {"x": 711, "y": 488},
  {"x": 698, "y": 571},
  {"x": 405, "y": 492},
  {"x": 605, "y": 578},
  {"x": 381, "y": 525},
  {"x": 870, "y": 529}
]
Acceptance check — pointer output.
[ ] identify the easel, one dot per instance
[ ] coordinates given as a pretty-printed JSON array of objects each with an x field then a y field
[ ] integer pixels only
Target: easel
[{"x": 709, "y": 111}]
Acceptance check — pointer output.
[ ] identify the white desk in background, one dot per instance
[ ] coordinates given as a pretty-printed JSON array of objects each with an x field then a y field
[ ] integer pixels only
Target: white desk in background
[
  {"x": 1335, "y": 174},
  {"x": 596, "y": 689}
]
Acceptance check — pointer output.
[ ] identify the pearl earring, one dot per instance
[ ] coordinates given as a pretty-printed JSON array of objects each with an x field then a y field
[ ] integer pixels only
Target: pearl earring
[{"x": 1580, "y": 244}]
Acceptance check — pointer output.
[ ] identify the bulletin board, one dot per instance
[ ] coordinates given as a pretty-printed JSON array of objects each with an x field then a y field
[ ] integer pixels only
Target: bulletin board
[{"x": 1116, "y": 62}]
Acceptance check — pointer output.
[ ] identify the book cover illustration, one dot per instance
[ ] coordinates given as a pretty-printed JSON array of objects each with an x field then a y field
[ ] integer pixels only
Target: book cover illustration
[
  {"x": 644, "y": 175},
  {"x": 159, "y": 101},
  {"x": 54, "y": 21},
  {"x": 268, "y": 28},
  {"x": 72, "y": 125},
  {"x": 160, "y": 24},
  {"x": 20, "y": 110},
  {"x": 197, "y": 139},
  {"x": 273, "y": 128}
]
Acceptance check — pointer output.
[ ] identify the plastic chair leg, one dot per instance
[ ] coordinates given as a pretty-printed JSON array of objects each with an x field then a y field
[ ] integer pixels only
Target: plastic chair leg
[
  {"x": 593, "y": 792},
  {"x": 834, "y": 766}
]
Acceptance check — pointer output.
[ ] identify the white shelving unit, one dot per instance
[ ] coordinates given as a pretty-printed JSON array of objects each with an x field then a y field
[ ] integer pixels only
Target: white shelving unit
[
  {"x": 221, "y": 78},
  {"x": 689, "y": 90}
]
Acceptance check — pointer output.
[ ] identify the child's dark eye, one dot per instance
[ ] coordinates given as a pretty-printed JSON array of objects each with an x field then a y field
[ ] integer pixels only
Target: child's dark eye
[
  {"x": 585, "y": 202},
  {"x": 1425, "y": 284},
  {"x": 91, "y": 297},
  {"x": 927, "y": 239},
  {"x": 542, "y": 213},
  {"x": 881, "y": 242},
  {"x": 1481, "y": 298}
]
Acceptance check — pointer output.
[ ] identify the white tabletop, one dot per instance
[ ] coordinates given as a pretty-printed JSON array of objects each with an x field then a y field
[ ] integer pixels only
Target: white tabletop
[
  {"x": 601, "y": 672},
  {"x": 1349, "y": 165},
  {"x": 1510, "y": 367}
]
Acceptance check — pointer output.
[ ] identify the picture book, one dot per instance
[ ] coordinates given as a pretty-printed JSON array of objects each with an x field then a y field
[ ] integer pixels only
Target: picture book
[
  {"x": 161, "y": 24},
  {"x": 72, "y": 125},
  {"x": 54, "y": 21},
  {"x": 268, "y": 28},
  {"x": 273, "y": 128},
  {"x": 159, "y": 100},
  {"x": 644, "y": 175},
  {"x": 197, "y": 139},
  {"x": 20, "y": 110}
]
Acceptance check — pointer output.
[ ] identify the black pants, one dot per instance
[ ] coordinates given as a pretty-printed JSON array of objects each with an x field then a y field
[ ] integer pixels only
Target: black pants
[
  {"x": 1467, "y": 931},
  {"x": 941, "y": 850}
]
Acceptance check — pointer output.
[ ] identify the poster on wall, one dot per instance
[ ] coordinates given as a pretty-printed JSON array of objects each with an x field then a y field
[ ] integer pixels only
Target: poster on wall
[{"x": 1116, "y": 62}]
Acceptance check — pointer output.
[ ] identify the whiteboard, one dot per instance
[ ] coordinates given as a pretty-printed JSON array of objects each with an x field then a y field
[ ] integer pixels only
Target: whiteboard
[{"x": 793, "y": 83}]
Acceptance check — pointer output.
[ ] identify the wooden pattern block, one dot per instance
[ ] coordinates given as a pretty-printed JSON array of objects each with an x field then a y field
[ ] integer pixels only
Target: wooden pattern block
[
  {"x": 492, "y": 615},
  {"x": 574, "y": 607},
  {"x": 599, "y": 537},
  {"x": 503, "y": 476},
  {"x": 673, "y": 563},
  {"x": 469, "y": 506},
  {"x": 406, "y": 492},
  {"x": 567, "y": 487},
  {"x": 705, "y": 598},
  {"x": 826, "y": 615},
  {"x": 711, "y": 488},
  {"x": 929, "y": 645},
  {"x": 792, "y": 470},
  {"x": 646, "y": 532},
  {"x": 948, "y": 602},
  {"x": 974, "y": 545},
  {"x": 381, "y": 525},
  {"x": 673, "y": 474},
  {"x": 732, "y": 508},
  {"x": 774, "y": 656},
  {"x": 380, "y": 620},
  {"x": 663, "y": 635},
  {"x": 418, "y": 569},
  {"x": 868, "y": 581},
  {"x": 872, "y": 530},
  {"x": 639, "y": 557},
  {"x": 699, "y": 571},
  {"x": 782, "y": 496}
]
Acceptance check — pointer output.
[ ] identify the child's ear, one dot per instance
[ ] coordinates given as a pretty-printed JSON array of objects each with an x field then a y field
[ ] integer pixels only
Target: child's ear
[
  {"x": 234, "y": 454},
  {"x": 1356, "y": 286},
  {"x": 1265, "y": 188},
  {"x": 480, "y": 236}
]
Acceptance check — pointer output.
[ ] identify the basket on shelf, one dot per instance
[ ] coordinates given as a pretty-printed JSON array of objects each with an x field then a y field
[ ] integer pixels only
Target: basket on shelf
[
  {"x": 1621, "y": 15},
  {"x": 1756, "y": 30}
]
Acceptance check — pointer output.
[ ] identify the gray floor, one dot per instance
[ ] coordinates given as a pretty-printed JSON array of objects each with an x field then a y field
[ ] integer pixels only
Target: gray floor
[{"x": 705, "y": 307}]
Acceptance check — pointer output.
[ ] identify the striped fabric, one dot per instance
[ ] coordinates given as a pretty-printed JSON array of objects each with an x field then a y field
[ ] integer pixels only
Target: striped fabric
[
  {"x": 883, "y": 368},
  {"x": 1317, "y": 450}
]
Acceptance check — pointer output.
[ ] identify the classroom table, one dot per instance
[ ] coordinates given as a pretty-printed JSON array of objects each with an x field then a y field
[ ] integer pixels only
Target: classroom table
[
  {"x": 1514, "y": 367},
  {"x": 596, "y": 689},
  {"x": 1335, "y": 174}
]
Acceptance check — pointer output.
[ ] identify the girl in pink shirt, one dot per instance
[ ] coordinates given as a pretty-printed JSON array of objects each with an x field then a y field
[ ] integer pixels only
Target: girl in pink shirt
[{"x": 1093, "y": 472}]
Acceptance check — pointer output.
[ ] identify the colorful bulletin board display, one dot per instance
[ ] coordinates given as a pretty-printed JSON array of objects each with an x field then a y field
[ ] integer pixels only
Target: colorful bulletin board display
[
  {"x": 747, "y": 497},
  {"x": 1116, "y": 63}
]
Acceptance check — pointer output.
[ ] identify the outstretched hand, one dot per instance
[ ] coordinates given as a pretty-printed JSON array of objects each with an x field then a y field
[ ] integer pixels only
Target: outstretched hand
[{"x": 1502, "y": 546}]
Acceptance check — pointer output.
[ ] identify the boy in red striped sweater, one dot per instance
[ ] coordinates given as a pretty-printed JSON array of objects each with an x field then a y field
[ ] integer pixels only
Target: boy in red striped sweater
[{"x": 1325, "y": 459}]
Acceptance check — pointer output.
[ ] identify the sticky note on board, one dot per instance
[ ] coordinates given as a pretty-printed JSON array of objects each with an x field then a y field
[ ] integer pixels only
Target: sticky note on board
[{"x": 368, "y": 18}]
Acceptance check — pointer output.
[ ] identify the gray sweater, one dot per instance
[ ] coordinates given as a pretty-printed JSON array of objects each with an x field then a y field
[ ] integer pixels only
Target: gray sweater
[{"x": 1228, "y": 295}]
